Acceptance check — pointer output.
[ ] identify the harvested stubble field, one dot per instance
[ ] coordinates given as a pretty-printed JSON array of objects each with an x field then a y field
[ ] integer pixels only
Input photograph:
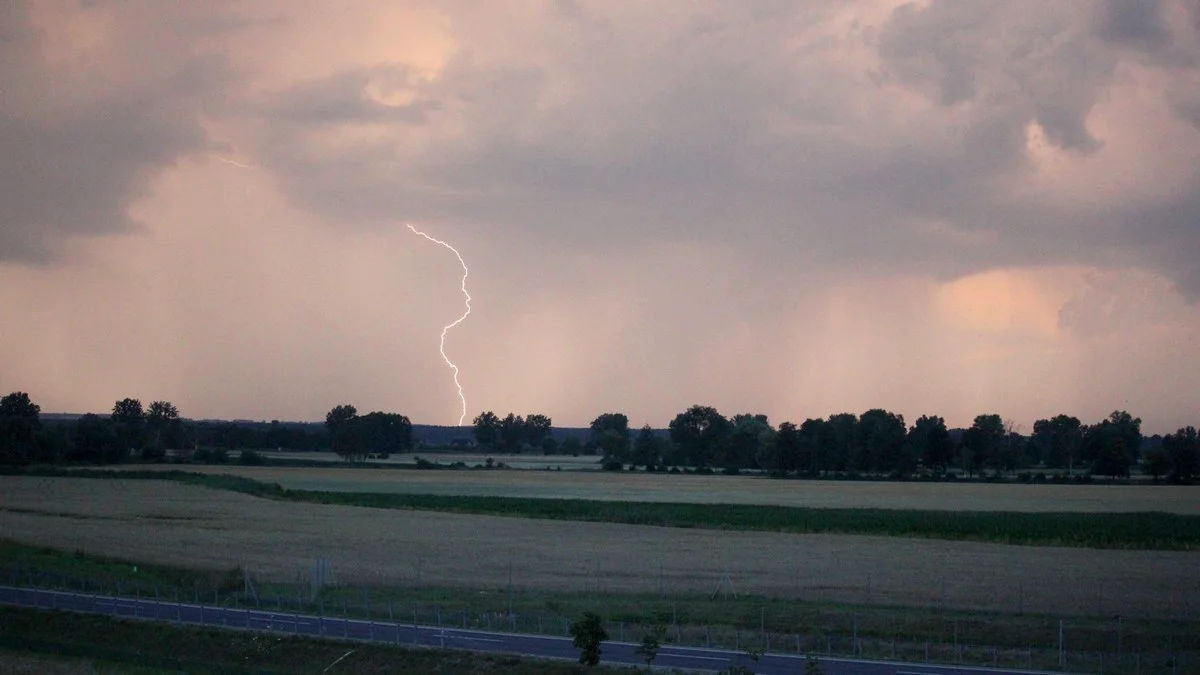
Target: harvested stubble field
[
  {"x": 182, "y": 525},
  {"x": 696, "y": 489}
]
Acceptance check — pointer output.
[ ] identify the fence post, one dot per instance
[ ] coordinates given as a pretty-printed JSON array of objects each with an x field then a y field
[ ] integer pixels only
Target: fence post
[{"x": 1062, "y": 653}]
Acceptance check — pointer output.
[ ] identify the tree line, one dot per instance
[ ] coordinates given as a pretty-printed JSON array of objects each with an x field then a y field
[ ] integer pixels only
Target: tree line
[
  {"x": 877, "y": 442},
  {"x": 133, "y": 431}
]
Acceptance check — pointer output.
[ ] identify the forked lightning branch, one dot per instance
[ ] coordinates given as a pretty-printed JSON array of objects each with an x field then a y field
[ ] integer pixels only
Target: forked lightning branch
[{"x": 442, "y": 345}]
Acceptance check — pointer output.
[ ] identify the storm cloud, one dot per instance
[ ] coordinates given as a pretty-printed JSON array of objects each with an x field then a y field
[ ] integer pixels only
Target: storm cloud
[{"x": 653, "y": 185}]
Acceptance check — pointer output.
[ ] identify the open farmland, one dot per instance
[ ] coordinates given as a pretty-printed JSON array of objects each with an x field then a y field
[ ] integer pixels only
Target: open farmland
[
  {"x": 174, "y": 524},
  {"x": 697, "y": 489}
]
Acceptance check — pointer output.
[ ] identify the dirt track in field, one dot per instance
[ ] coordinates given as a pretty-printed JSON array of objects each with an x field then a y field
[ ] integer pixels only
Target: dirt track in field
[
  {"x": 176, "y": 524},
  {"x": 730, "y": 489}
]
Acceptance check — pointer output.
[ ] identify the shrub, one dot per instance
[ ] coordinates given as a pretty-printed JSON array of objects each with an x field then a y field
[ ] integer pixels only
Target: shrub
[{"x": 250, "y": 458}]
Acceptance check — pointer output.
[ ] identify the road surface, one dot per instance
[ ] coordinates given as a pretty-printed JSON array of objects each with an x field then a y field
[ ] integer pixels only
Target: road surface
[{"x": 399, "y": 633}]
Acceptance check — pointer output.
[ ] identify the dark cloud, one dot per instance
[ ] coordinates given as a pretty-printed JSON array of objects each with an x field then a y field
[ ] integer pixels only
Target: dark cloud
[
  {"x": 1139, "y": 23},
  {"x": 80, "y": 142},
  {"x": 716, "y": 123}
]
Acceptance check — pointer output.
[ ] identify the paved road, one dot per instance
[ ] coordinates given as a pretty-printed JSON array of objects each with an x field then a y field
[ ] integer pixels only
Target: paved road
[{"x": 692, "y": 658}]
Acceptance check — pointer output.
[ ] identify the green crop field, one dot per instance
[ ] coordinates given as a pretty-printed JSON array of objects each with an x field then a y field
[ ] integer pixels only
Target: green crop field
[
  {"x": 173, "y": 523},
  {"x": 643, "y": 487}
]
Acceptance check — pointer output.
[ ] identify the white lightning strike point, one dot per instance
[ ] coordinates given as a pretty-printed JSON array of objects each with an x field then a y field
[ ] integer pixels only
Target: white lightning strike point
[{"x": 442, "y": 346}]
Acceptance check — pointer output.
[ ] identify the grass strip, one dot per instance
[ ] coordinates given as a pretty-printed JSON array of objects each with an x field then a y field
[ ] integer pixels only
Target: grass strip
[
  {"x": 1024, "y": 640},
  {"x": 1133, "y": 531},
  {"x": 210, "y": 650}
]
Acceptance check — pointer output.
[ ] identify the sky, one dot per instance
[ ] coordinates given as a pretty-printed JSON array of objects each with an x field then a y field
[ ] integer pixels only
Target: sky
[{"x": 783, "y": 207}]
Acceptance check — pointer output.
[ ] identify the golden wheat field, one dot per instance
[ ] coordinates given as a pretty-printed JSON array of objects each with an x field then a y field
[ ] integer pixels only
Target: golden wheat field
[
  {"x": 171, "y": 523},
  {"x": 629, "y": 486}
]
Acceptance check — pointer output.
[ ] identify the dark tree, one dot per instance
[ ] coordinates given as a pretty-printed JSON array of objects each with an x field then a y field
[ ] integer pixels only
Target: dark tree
[
  {"x": 816, "y": 446},
  {"x": 128, "y": 411},
  {"x": 749, "y": 435},
  {"x": 929, "y": 439},
  {"x": 700, "y": 433},
  {"x": 130, "y": 419},
  {"x": 98, "y": 440},
  {"x": 843, "y": 429},
  {"x": 1113, "y": 460},
  {"x": 651, "y": 643},
  {"x": 881, "y": 443},
  {"x": 1058, "y": 439},
  {"x": 647, "y": 449},
  {"x": 19, "y": 425},
  {"x": 981, "y": 442},
  {"x": 487, "y": 429},
  {"x": 512, "y": 433},
  {"x": 587, "y": 634},
  {"x": 385, "y": 433},
  {"x": 1100, "y": 439},
  {"x": 18, "y": 404},
  {"x": 1156, "y": 462},
  {"x": 346, "y": 436},
  {"x": 537, "y": 429},
  {"x": 781, "y": 455},
  {"x": 610, "y": 435},
  {"x": 1183, "y": 452},
  {"x": 161, "y": 416}
]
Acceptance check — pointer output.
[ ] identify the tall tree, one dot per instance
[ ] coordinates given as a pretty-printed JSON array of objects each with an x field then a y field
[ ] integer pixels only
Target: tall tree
[
  {"x": 699, "y": 432},
  {"x": 1183, "y": 454},
  {"x": 19, "y": 423},
  {"x": 981, "y": 441},
  {"x": 486, "y": 429},
  {"x": 1058, "y": 439},
  {"x": 929, "y": 439},
  {"x": 512, "y": 433},
  {"x": 347, "y": 437},
  {"x": 843, "y": 428},
  {"x": 610, "y": 435},
  {"x": 98, "y": 440},
  {"x": 130, "y": 419},
  {"x": 817, "y": 446},
  {"x": 881, "y": 443},
  {"x": 647, "y": 449},
  {"x": 1111, "y": 445},
  {"x": 385, "y": 433},
  {"x": 749, "y": 435},
  {"x": 537, "y": 429},
  {"x": 781, "y": 454},
  {"x": 161, "y": 416}
]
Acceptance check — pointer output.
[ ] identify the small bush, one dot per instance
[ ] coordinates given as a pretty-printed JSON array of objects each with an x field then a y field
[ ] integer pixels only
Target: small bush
[{"x": 250, "y": 458}]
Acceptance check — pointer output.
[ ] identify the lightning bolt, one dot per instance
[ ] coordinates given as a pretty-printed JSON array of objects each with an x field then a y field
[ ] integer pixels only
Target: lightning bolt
[
  {"x": 442, "y": 345},
  {"x": 238, "y": 164}
]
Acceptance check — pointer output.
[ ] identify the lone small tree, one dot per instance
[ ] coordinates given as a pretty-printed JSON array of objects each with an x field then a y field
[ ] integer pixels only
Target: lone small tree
[
  {"x": 588, "y": 633},
  {"x": 651, "y": 643}
]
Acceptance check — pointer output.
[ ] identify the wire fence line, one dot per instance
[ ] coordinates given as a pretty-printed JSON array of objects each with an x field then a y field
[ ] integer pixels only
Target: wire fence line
[{"x": 1028, "y": 642}]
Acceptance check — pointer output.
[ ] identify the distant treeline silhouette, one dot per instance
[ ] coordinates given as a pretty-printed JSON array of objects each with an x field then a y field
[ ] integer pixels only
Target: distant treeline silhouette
[{"x": 700, "y": 439}]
